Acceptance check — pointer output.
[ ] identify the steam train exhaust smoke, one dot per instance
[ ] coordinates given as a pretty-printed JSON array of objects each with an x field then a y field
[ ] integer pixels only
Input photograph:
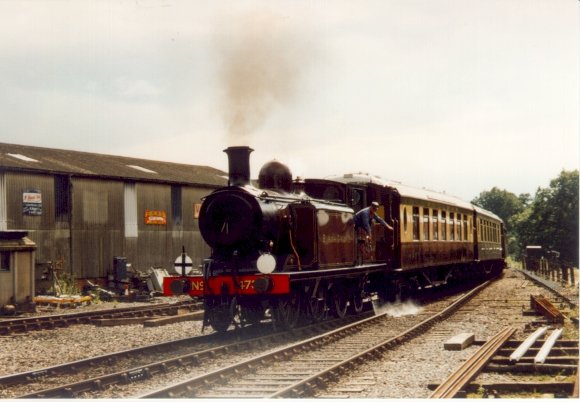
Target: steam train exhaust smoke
[
  {"x": 261, "y": 59},
  {"x": 397, "y": 309}
]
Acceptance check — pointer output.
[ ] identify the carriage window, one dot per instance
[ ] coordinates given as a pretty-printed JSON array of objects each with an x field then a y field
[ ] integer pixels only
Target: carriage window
[
  {"x": 443, "y": 225},
  {"x": 405, "y": 219},
  {"x": 458, "y": 226},
  {"x": 465, "y": 231},
  {"x": 425, "y": 223},
  {"x": 415, "y": 223},
  {"x": 435, "y": 225},
  {"x": 451, "y": 226}
]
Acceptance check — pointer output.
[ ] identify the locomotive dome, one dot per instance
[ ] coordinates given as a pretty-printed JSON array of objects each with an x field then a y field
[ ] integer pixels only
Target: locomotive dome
[{"x": 275, "y": 175}]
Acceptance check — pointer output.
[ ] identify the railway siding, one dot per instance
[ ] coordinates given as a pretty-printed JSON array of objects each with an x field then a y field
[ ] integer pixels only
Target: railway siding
[{"x": 416, "y": 368}]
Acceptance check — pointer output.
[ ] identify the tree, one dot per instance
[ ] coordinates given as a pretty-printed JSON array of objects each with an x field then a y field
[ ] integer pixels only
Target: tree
[
  {"x": 506, "y": 205},
  {"x": 551, "y": 220},
  {"x": 501, "y": 202}
]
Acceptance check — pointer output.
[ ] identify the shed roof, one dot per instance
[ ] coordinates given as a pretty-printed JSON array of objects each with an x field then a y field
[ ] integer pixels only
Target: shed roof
[{"x": 60, "y": 161}]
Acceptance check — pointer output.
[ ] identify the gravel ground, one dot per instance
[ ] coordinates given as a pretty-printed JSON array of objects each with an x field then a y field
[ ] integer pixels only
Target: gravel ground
[
  {"x": 410, "y": 367},
  {"x": 406, "y": 371},
  {"x": 39, "y": 349}
]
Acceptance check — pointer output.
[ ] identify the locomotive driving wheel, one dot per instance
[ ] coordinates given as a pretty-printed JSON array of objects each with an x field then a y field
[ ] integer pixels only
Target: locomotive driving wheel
[
  {"x": 339, "y": 302},
  {"x": 286, "y": 312},
  {"x": 356, "y": 296},
  {"x": 251, "y": 314},
  {"x": 318, "y": 308},
  {"x": 221, "y": 315}
]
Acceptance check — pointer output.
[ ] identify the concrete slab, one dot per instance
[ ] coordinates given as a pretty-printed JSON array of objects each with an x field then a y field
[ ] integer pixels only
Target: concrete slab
[{"x": 459, "y": 341}]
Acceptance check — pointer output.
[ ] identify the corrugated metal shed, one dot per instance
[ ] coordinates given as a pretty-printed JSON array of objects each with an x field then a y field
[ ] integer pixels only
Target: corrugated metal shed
[
  {"x": 59, "y": 161},
  {"x": 83, "y": 209}
]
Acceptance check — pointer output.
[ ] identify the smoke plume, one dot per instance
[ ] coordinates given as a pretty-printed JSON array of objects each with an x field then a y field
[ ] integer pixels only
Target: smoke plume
[{"x": 261, "y": 59}]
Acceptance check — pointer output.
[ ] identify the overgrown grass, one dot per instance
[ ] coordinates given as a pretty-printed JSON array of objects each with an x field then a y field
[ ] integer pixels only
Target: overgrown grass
[{"x": 65, "y": 284}]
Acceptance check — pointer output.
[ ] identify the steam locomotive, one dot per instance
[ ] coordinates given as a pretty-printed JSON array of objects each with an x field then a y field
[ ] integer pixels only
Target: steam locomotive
[{"x": 289, "y": 247}]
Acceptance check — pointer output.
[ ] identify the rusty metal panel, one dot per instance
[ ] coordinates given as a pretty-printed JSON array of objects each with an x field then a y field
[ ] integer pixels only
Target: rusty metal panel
[
  {"x": 153, "y": 201},
  {"x": 97, "y": 226},
  {"x": 51, "y": 237},
  {"x": 154, "y": 249},
  {"x": 16, "y": 185},
  {"x": 97, "y": 204},
  {"x": 93, "y": 251}
]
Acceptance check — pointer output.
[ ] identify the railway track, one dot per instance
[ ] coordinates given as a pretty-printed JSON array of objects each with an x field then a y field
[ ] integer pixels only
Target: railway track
[
  {"x": 47, "y": 322},
  {"x": 416, "y": 368},
  {"x": 554, "y": 288},
  {"x": 297, "y": 370},
  {"x": 524, "y": 359},
  {"x": 90, "y": 376},
  {"x": 337, "y": 365},
  {"x": 496, "y": 358}
]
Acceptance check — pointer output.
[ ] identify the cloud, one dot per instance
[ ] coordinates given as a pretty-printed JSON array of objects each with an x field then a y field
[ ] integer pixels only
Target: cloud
[
  {"x": 136, "y": 88},
  {"x": 450, "y": 95}
]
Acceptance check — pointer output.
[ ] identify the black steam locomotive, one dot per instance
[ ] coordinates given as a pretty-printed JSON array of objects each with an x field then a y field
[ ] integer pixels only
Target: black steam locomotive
[{"x": 290, "y": 248}]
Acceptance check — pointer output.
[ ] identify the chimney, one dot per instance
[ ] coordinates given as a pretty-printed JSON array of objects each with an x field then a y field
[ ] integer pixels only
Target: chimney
[{"x": 239, "y": 165}]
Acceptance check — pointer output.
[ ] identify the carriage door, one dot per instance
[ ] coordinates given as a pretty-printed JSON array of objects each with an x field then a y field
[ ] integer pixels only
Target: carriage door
[{"x": 391, "y": 215}]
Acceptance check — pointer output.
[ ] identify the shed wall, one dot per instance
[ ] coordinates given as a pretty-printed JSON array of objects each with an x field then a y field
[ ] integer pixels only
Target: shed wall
[
  {"x": 97, "y": 226},
  {"x": 80, "y": 222},
  {"x": 51, "y": 237}
]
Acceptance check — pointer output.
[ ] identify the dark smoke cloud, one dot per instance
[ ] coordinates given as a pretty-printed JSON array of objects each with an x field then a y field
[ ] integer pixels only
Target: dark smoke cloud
[{"x": 261, "y": 58}]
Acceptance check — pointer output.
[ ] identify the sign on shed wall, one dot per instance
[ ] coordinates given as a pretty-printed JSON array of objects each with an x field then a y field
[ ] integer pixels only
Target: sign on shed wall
[
  {"x": 32, "y": 202},
  {"x": 155, "y": 217}
]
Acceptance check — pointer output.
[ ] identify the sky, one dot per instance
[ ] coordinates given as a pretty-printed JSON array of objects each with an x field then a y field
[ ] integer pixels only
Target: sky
[{"x": 451, "y": 95}]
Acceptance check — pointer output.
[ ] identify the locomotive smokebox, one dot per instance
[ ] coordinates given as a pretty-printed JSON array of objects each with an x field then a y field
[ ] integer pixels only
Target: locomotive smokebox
[{"x": 239, "y": 165}]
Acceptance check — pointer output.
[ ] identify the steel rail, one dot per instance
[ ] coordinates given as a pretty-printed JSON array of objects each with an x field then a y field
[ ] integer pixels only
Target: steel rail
[
  {"x": 185, "y": 388},
  {"x": 147, "y": 371},
  {"x": 32, "y": 376},
  {"x": 545, "y": 308},
  {"x": 22, "y": 325},
  {"x": 550, "y": 287},
  {"x": 373, "y": 352},
  {"x": 468, "y": 370}
]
